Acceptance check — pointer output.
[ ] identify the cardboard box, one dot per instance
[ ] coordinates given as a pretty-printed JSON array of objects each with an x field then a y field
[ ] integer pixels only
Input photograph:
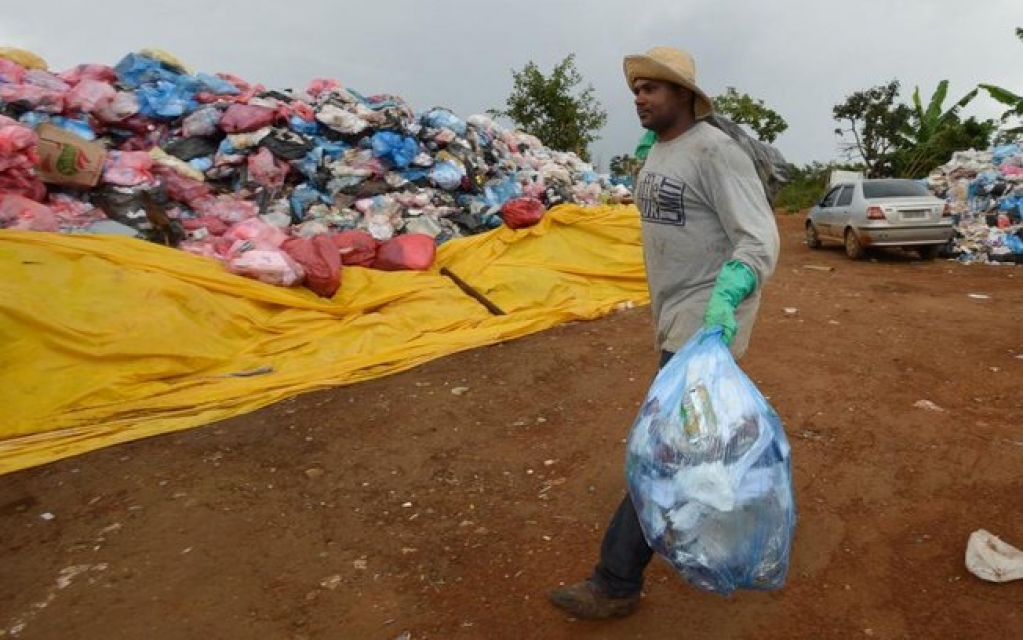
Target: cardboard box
[{"x": 69, "y": 159}]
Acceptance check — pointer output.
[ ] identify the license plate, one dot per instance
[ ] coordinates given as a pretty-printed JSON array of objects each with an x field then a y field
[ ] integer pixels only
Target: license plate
[{"x": 914, "y": 215}]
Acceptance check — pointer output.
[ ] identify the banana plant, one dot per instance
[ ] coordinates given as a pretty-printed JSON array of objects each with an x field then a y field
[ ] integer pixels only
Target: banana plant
[
  {"x": 926, "y": 123},
  {"x": 1012, "y": 100}
]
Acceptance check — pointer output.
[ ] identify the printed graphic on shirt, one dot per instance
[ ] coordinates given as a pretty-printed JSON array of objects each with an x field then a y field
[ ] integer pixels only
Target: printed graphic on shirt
[{"x": 660, "y": 199}]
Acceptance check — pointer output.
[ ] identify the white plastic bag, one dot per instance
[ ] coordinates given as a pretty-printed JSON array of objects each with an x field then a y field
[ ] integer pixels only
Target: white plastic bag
[{"x": 988, "y": 558}]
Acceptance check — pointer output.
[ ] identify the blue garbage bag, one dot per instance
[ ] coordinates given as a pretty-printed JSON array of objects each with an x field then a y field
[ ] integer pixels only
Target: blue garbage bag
[
  {"x": 165, "y": 100},
  {"x": 1003, "y": 152},
  {"x": 394, "y": 148},
  {"x": 1014, "y": 244},
  {"x": 498, "y": 191},
  {"x": 444, "y": 119},
  {"x": 207, "y": 83},
  {"x": 446, "y": 175},
  {"x": 709, "y": 472},
  {"x": 303, "y": 197},
  {"x": 135, "y": 70}
]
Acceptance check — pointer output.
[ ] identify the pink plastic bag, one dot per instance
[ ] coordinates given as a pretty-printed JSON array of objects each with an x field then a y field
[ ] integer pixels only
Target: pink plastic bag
[
  {"x": 242, "y": 118},
  {"x": 258, "y": 232},
  {"x": 319, "y": 85},
  {"x": 18, "y": 147},
  {"x": 89, "y": 95},
  {"x": 321, "y": 262},
  {"x": 128, "y": 168},
  {"x": 73, "y": 212},
  {"x": 46, "y": 80},
  {"x": 271, "y": 266},
  {"x": 11, "y": 72},
  {"x": 227, "y": 209},
  {"x": 123, "y": 106},
  {"x": 33, "y": 97},
  {"x": 266, "y": 170},
  {"x": 97, "y": 72},
  {"x": 17, "y": 212},
  {"x": 413, "y": 251}
]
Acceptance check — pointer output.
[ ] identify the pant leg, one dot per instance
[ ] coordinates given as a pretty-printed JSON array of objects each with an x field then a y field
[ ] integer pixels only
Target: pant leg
[{"x": 624, "y": 553}]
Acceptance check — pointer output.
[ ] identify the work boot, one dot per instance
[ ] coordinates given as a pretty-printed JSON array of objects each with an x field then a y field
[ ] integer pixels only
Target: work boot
[{"x": 587, "y": 601}]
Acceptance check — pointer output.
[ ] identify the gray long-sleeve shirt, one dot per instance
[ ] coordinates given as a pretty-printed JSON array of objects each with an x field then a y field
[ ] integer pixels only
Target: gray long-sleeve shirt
[{"x": 702, "y": 205}]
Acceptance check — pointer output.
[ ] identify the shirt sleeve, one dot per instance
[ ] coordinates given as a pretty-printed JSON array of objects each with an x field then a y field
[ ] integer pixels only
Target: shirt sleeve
[{"x": 737, "y": 195}]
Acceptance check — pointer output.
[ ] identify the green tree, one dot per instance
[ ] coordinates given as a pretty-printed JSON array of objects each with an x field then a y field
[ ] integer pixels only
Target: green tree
[
  {"x": 553, "y": 108},
  {"x": 625, "y": 165},
  {"x": 765, "y": 122},
  {"x": 1013, "y": 101},
  {"x": 876, "y": 122},
  {"x": 933, "y": 133}
]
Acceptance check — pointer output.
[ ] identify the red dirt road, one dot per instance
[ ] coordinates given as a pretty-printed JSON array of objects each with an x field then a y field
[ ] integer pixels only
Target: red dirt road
[{"x": 444, "y": 502}]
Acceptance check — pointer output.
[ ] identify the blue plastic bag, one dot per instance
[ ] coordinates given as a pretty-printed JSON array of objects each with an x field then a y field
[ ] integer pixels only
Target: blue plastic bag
[
  {"x": 444, "y": 119},
  {"x": 709, "y": 472},
  {"x": 135, "y": 70},
  {"x": 395, "y": 149}
]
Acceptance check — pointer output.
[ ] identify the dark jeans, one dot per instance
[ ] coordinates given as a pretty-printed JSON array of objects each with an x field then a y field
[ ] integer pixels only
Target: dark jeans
[{"x": 624, "y": 554}]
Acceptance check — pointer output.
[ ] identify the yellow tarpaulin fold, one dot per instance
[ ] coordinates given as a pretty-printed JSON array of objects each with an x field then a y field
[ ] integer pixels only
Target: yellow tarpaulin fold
[{"x": 105, "y": 340}]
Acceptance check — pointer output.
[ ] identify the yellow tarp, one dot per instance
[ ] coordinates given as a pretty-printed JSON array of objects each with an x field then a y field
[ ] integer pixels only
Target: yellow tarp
[{"x": 105, "y": 340}]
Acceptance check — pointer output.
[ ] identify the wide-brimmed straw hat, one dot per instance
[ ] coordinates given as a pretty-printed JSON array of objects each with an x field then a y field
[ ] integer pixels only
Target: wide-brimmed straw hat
[{"x": 670, "y": 65}]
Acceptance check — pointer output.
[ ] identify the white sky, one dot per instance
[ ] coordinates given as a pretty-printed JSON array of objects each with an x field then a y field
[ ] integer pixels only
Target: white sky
[{"x": 801, "y": 57}]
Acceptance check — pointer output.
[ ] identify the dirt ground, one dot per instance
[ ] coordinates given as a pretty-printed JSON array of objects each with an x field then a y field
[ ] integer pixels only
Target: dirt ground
[{"x": 444, "y": 502}]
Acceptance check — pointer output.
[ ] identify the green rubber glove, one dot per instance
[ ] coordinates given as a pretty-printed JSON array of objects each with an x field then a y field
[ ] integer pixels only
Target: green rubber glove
[{"x": 735, "y": 283}]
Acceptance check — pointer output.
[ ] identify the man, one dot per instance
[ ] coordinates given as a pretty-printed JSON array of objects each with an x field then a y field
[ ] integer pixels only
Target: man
[{"x": 710, "y": 242}]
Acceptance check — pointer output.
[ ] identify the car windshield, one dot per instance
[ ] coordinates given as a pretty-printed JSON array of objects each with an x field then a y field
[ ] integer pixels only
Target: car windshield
[{"x": 893, "y": 189}]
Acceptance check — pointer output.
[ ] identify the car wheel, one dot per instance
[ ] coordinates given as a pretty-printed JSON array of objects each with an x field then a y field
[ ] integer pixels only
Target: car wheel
[
  {"x": 929, "y": 252},
  {"x": 813, "y": 240},
  {"x": 853, "y": 248}
]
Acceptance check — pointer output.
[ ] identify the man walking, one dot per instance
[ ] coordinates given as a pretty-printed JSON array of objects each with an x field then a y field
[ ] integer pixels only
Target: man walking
[{"x": 710, "y": 242}]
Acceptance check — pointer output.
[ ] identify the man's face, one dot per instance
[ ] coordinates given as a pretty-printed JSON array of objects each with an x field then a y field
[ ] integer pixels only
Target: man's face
[{"x": 659, "y": 104}]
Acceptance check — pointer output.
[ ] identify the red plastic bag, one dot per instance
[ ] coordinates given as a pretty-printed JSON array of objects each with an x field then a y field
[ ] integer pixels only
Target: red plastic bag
[
  {"x": 321, "y": 262},
  {"x": 22, "y": 182},
  {"x": 357, "y": 248},
  {"x": 413, "y": 251},
  {"x": 214, "y": 226},
  {"x": 17, "y": 212},
  {"x": 241, "y": 118},
  {"x": 522, "y": 212},
  {"x": 179, "y": 187}
]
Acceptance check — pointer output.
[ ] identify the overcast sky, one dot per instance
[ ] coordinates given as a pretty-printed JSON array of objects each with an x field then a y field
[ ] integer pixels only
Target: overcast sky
[{"x": 801, "y": 57}]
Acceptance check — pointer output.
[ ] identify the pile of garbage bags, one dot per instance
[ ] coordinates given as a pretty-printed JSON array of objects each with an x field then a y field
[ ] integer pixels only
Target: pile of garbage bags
[
  {"x": 709, "y": 472},
  {"x": 225, "y": 168},
  {"x": 985, "y": 189}
]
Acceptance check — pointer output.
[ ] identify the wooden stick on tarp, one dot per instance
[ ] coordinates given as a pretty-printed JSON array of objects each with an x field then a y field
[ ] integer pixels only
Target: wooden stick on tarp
[{"x": 467, "y": 288}]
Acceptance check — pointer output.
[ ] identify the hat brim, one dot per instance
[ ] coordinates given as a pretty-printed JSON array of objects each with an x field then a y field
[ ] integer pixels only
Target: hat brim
[{"x": 641, "y": 66}]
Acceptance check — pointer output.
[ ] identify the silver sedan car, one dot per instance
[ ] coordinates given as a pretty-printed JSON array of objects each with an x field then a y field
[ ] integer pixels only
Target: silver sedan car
[{"x": 881, "y": 213}]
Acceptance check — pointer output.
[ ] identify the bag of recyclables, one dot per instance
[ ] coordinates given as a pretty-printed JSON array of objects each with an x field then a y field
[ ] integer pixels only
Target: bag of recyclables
[{"x": 709, "y": 472}]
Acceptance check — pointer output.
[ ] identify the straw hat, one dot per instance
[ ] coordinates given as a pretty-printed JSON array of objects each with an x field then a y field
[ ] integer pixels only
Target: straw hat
[{"x": 670, "y": 65}]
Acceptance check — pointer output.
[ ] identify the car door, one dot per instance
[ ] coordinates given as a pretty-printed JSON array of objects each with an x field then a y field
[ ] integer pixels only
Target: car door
[
  {"x": 825, "y": 211},
  {"x": 840, "y": 212}
]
